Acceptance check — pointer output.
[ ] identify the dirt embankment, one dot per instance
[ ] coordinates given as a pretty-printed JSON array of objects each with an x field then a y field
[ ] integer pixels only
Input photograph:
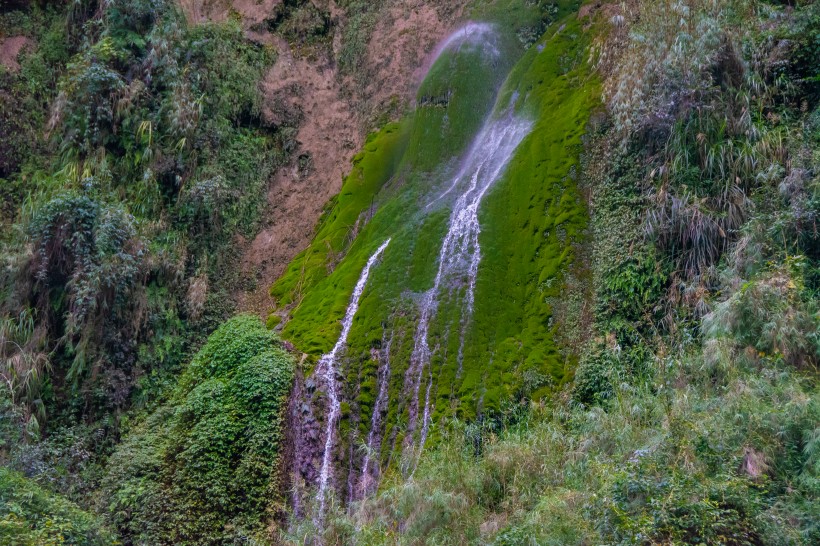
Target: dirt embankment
[
  {"x": 334, "y": 111},
  {"x": 10, "y": 49},
  {"x": 252, "y": 12},
  {"x": 404, "y": 36}
]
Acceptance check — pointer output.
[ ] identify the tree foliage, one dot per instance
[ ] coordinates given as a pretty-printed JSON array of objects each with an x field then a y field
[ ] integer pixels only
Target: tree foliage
[
  {"x": 32, "y": 516},
  {"x": 204, "y": 468}
]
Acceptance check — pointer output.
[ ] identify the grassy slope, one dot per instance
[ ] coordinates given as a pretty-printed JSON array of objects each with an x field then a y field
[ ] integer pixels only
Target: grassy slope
[{"x": 647, "y": 468}]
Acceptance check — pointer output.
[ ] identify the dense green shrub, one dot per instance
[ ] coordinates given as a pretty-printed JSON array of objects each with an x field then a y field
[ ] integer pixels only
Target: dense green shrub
[
  {"x": 31, "y": 516},
  {"x": 682, "y": 508},
  {"x": 86, "y": 106},
  {"x": 603, "y": 370},
  {"x": 631, "y": 290},
  {"x": 88, "y": 266},
  {"x": 204, "y": 468},
  {"x": 23, "y": 369},
  {"x": 130, "y": 22},
  {"x": 773, "y": 316},
  {"x": 597, "y": 377},
  {"x": 225, "y": 69},
  {"x": 14, "y": 135},
  {"x": 805, "y": 37},
  {"x": 26, "y": 94},
  {"x": 301, "y": 23}
]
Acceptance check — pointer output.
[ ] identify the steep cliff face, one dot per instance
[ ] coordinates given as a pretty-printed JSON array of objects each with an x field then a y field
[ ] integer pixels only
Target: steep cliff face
[
  {"x": 476, "y": 189},
  {"x": 337, "y": 85}
]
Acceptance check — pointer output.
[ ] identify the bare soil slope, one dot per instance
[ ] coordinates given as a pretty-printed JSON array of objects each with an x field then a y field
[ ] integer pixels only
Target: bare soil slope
[
  {"x": 336, "y": 113},
  {"x": 10, "y": 48}
]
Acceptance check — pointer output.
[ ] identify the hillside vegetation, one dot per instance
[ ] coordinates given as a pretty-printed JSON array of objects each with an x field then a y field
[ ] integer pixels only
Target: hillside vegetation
[
  {"x": 693, "y": 414},
  {"x": 640, "y": 365}
]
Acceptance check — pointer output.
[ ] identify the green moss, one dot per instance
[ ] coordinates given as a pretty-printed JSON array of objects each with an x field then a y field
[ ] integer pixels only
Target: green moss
[
  {"x": 372, "y": 168},
  {"x": 530, "y": 222},
  {"x": 454, "y": 99}
]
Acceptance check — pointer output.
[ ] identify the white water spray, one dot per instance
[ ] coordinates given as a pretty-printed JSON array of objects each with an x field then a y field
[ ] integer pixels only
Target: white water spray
[
  {"x": 374, "y": 436},
  {"x": 472, "y": 34},
  {"x": 460, "y": 252},
  {"x": 327, "y": 370}
]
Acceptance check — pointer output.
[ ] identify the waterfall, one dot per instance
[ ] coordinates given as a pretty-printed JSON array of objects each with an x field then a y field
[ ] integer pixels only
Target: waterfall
[
  {"x": 472, "y": 34},
  {"x": 326, "y": 369},
  {"x": 460, "y": 252},
  {"x": 458, "y": 262},
  {"x": 374, "y": 438}
]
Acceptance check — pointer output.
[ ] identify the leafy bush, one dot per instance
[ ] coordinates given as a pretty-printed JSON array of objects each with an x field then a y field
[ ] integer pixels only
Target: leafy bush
[
  {"x": 26, "y": 93},
  {"x": 631, "y": 291},
  {"x": 303, "y": 23},
  {"x": 14, "y": 135},
  {"x": 603, "y": 370},
  {"x": 805, "y": 37},
  {"x": 772, "y": 315},
  {"x": 88, "y": 267},
  {"x": 85, "y": 109},
  {"x": 24, "y": 365},
  {"x": 131, "y": 21},
  {"x": 226, "y": 68},
  {"x": 597, "y": 377},
  {"x": 204, "y": 468},
  {"x": 666, "y": 60},
  {"x": 31, "y": 516},
  {"x": 676, "y": 507}
]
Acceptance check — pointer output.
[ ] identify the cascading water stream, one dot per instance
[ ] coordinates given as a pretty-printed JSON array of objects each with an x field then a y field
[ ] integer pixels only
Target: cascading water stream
[
  {"x": 459, "y": 258},
  {"x": 374, "y": 436},
  {"x": 460, "y": 252},
  {"x": 473, "y": 33},
  {"x": 327, "y": 370}
]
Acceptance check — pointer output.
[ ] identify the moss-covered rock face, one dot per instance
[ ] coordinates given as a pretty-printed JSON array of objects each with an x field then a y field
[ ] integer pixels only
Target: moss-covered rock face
[
  {"x": 204, "y": 468},
  {"x": 530, "y": 219}
]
